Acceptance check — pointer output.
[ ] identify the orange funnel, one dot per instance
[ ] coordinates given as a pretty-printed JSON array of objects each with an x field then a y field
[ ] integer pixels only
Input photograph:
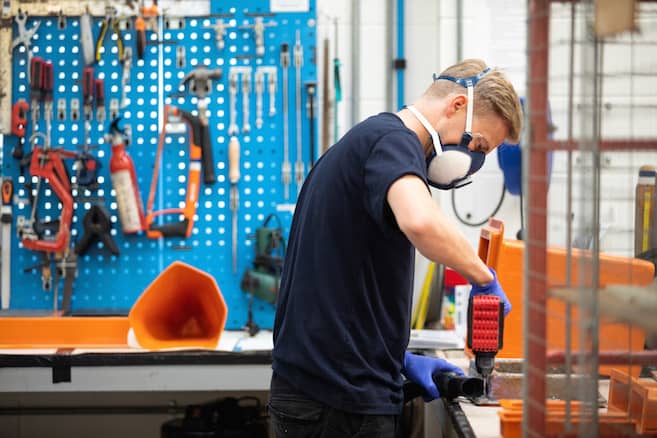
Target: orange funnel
[{"x": 182, "y": 307}]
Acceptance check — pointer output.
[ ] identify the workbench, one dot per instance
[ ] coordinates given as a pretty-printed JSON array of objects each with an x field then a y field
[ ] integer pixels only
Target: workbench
[{"x": 88, "y": 389}]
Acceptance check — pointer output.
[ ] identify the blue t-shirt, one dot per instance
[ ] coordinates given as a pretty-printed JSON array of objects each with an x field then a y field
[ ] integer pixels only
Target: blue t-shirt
[{"x": 344, "y": 307}]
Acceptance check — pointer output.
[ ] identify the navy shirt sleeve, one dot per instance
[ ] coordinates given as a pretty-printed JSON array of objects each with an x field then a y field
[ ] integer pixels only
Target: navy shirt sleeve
[{"x": 393, "y": 156}]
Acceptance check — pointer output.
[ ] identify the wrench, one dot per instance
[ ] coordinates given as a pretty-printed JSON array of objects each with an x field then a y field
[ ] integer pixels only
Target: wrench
[{"x": 24, "y": 37}]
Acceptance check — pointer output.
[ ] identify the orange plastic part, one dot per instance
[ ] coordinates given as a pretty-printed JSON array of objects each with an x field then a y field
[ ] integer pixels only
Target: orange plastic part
[
  {"x": 636, "y": 398},
  {"x": 182, "y": 307},
  {"x": 506, "y": 257},
  {"x": 610, "y": 424},
  {"x": 64, "y": 332}
]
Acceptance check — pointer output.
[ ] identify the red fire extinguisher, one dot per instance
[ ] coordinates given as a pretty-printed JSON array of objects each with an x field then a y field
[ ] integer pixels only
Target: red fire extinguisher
[{"x": 124, "y": 181}]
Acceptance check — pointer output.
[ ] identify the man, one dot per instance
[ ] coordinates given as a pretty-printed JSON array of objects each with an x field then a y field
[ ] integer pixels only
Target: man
[{"x": 344, "y": 308}]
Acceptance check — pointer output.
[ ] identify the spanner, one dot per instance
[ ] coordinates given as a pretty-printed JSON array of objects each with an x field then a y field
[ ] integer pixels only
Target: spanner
[{"x": 24, "y": 37}]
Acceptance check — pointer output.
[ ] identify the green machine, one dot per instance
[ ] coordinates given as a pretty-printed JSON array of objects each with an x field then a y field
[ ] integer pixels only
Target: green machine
[{"x": 264, "y": 278}]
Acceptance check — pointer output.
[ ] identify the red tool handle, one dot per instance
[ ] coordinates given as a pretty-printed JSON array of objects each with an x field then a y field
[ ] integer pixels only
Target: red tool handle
[
  {"x": 99, "y": 86},
  {"x": 88, "y": 85},
  {"x": 47, "y": 81},
  {"x": 19, "y": 118},
  {"x": 36, "y": 76},
  {"x": 7, "y": 191}
]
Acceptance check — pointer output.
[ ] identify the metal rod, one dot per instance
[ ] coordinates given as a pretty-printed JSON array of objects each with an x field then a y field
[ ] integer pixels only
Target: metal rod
[
  {"x": 401, "y": 98},
  {"x": 534, "y": 276},
  {"x": 355, "y": 63},
  {"x": 569, "y": 212},
  {"x": 609, "y": 357}
]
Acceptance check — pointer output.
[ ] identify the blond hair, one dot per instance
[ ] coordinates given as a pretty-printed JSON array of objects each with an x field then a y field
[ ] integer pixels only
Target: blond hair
[{"x": 493, "y": 94}]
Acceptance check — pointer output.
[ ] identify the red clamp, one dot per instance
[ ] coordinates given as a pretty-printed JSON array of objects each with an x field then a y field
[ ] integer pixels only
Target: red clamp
[{"x": 48, "y": 164}]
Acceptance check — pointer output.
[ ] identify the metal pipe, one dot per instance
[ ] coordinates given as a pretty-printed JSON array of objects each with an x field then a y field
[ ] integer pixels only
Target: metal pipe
[
  {"x": 610, "y": 357},
  {"x": 535, "y": 274},
  {"x": 355, "y": 62},
  {"x": 401, "y": 98},
  {"x": 388, "y": 51},
  {"x": 569, "y": 210}
]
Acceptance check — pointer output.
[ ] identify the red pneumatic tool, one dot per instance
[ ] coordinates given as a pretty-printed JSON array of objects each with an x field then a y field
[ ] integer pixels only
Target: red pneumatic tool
[{"x": 485, "y": 331}]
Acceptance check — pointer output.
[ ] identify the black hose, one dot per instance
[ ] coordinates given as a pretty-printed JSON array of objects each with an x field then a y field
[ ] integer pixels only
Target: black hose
[
  {"x": 478, "y": 224},
  {"x": 450, "y": 386}
]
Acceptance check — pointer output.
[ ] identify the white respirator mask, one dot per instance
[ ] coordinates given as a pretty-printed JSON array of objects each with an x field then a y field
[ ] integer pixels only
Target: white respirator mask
[{"x": 450, "y": 166}]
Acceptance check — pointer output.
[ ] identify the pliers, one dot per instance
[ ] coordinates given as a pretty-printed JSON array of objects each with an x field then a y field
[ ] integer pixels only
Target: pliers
[{"x": 110, "y": 21}]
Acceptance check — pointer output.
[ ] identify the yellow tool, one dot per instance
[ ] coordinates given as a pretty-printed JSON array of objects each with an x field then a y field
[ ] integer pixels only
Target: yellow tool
[{"x": 110, "y": 21}]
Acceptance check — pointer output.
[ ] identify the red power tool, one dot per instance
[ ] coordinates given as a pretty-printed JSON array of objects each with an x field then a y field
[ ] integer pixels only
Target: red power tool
[{"x": 485, "y": 331}]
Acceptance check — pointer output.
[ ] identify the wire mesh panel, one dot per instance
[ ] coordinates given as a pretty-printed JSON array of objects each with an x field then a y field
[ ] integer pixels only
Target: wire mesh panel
[{"x": 588, "y": 253}]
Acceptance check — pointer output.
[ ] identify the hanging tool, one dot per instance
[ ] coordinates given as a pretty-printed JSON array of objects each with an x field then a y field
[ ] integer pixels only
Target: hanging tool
[
  {"x": 232, "y": 108},
  {"x": 18, "y": 126},
  {"x": 97, "y": 227},
  {"x": 47, "y": 164},
  {"x": 311, "y": 92},
  {"x": 146, "y": 20},
  {"x": 24, "y": 37},
  {"x": 233, "y": 178},
  {"x": 258, "y": 27},
  {"x": 271, "y": 88},
  {"x": 87, "y": 103},
  {"x": 35, "y": 89},
  {"x": 140, "y": 36},
  {"x": 298, "y": 63},
  {"x": 125, "y": 79},
  {"x": 66, "y": 268},
  {"x": 87, "y": 39},
  {"x": 263, "y": 280},
  {"x": 326, "y": 99},
  {"x": 259, "y": 89},
  {"x": 246, "y": 90},
  {"x": 184, "y": 227},
  {"x": 124, "y": 181},
  {"x": 286, "y": 167},
  {"x": 5, "y": 222},
  {"x": 198, "y": 82},
  {"x": 219, "y": 28},
  {"x": 485, "y": 332},
  {"x": 99, "y": 94},
  {"x": 47, "y": 88},
  {"x": 110, "y": 22}
]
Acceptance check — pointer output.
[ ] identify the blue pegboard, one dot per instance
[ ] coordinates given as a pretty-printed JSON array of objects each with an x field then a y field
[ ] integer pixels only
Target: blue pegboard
[{"x": 107, "y": 283}]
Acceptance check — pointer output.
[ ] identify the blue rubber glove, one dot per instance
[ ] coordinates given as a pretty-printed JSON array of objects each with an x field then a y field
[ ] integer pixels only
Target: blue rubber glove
[
  {"x": 492, "y": 288},
  {"x": 420, "y": 369}
]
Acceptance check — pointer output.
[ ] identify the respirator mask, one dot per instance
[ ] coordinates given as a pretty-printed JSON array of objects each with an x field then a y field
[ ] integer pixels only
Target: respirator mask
[{"x": 451, "y": 165}]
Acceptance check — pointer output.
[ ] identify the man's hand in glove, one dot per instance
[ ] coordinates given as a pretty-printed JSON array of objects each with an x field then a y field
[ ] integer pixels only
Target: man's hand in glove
[
  {"x": 420, "y": 369},
  {"x": 492, "y": 288}
]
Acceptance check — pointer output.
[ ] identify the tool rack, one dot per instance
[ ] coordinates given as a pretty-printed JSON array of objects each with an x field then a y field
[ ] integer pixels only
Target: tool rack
[{"x": 177, "y": 42}]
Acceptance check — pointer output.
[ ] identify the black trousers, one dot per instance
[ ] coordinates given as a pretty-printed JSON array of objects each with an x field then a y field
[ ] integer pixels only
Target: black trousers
[{"x": 295, "y": 415}]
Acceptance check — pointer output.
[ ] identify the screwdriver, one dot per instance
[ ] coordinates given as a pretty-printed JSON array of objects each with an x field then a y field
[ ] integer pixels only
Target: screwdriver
[
  {"x": 36, "y": 65},
  {"x": 287, "y": 166},
  {"x": 88, "y": 85},
  {"x": 99, "y": 88},
  {"x": 233, "y": 178},
  {"x": 47, "y": 87}
]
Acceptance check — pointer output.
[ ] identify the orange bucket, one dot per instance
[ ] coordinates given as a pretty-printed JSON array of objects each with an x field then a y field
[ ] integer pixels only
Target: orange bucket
[{"x": 183, "y": 307}]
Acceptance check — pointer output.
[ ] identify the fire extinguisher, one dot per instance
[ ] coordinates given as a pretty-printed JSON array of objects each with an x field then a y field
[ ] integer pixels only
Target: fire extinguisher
[{"x": 124, "y": 181}]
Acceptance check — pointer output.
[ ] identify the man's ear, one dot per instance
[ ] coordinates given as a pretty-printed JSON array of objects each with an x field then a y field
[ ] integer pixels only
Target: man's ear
[{"x": 458, "y": 102}]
